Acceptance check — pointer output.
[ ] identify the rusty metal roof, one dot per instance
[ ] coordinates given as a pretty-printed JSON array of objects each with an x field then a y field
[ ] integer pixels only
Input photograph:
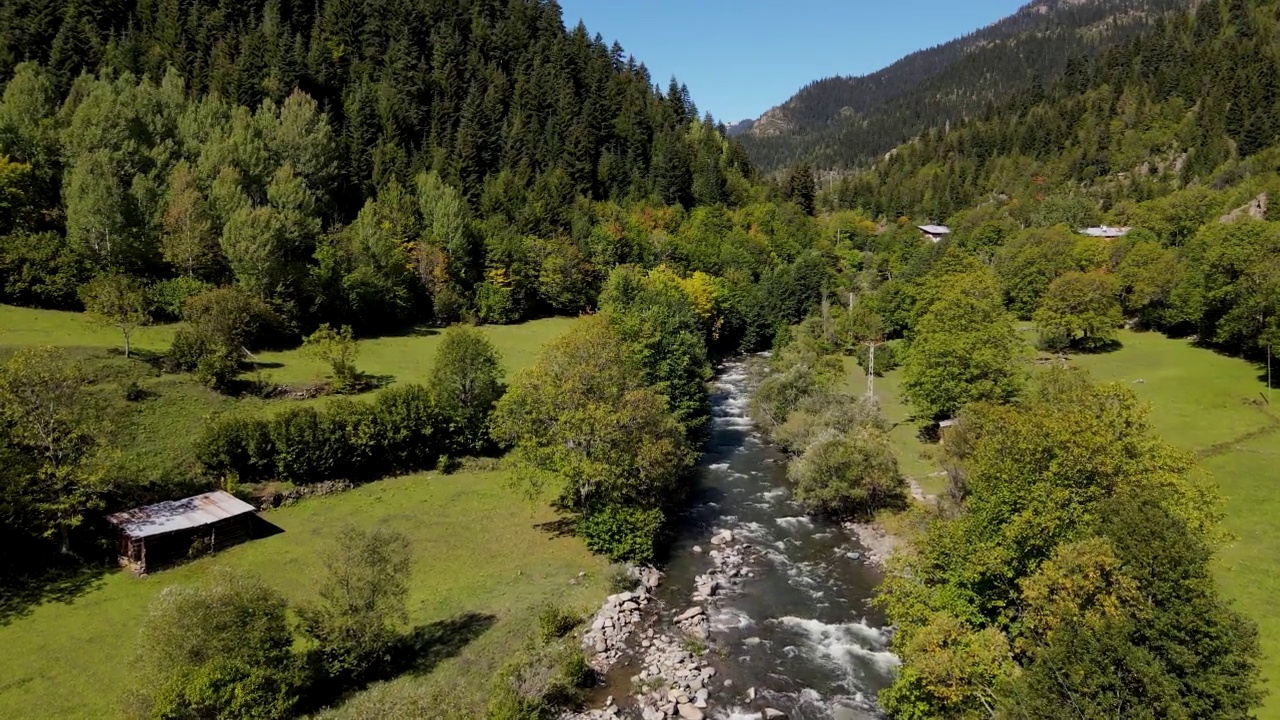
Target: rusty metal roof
[{"x": 179, "y": 514}]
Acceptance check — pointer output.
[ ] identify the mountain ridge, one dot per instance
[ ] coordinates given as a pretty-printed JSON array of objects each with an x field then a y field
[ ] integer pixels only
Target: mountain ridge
[{"x": 846, "y": 121}]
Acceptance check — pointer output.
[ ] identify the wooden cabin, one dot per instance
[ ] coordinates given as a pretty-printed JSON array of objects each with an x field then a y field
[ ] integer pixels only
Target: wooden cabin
[{"x": 154, "y": 536}]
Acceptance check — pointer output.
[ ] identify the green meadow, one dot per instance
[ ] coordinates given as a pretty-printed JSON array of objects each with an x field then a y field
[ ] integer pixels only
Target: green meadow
[
  {"x": 483, "y": 570},
  {"x": 483, "y": 566}
]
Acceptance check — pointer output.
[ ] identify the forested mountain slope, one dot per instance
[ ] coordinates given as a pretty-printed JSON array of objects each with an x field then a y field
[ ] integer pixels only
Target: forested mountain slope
[
  {"x": 214, "y": 142},
  {"x": 1193, "y": 102},
  {"x": 843, "y": 122},
  {"x": 465, "y": 88}
]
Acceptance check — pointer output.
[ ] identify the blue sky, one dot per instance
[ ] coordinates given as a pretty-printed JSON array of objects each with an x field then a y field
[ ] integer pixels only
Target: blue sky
[{"x": 741, "y": 58}]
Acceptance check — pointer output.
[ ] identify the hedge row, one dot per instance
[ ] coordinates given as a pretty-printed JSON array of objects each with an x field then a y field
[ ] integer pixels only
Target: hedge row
[{"x": 402, "y": 430}]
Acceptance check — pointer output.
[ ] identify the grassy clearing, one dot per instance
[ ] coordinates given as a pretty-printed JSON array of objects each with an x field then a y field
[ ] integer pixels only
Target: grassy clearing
[
  {"x": 916, "y": 457},
  {"x": 1212, "y": 404},
  {"x": 407, "y": 358},
  {"x": 154, "y": 436},
  {"x": 477, "y": 549},
  {"x": 25, "y": 327}
]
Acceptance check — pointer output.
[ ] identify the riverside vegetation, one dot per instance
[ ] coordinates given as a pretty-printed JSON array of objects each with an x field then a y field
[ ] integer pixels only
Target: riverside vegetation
[{"x": 275, "y": 179}]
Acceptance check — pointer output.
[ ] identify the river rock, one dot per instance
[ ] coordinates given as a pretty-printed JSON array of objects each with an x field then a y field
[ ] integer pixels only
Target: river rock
[
  {"x": 773, "y": 714},
  {"x": 689, "y": 712},
  {"x": 689, "y": 614},
  {"x": 722, "y": 537}
]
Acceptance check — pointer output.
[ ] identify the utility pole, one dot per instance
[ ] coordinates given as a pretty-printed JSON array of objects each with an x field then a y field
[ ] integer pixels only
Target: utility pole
[{"x": 871, "y": 369}]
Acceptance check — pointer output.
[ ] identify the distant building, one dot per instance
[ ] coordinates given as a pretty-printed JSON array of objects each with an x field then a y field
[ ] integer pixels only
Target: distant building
[
  {"x": 935, "y": 233},
  {"x": 153, "y": 536},
  {"x": 1107, "y": 233}
]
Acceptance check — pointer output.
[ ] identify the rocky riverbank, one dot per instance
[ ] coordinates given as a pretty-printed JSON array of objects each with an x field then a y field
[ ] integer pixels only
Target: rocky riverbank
[
  {"x": 674, "y": 678},
  {"x": 879, "y": 544}
]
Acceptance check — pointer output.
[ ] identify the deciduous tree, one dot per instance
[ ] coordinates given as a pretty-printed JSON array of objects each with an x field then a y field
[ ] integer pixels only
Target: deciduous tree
[
  {"x": 466, "y": 383},
  {"x": 117, "y": 300},
  {"x": 362, "y": 602},
  {"x": 47, "y": 414},
  {"x": 963, "y": 350},
  {"x": 847, "y": 474},
  {"x": 1081, "y": 309},
  {"x": 338, "y": 349}
]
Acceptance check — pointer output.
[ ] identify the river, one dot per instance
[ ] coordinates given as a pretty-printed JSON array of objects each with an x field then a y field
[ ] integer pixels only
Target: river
[{"x": 798, "y": 629}]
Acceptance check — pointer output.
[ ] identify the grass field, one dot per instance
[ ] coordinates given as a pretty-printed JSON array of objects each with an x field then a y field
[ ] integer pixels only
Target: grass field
[
  {"x": 475, "y": 542},
  {"x": 407, "y": 358},
  {"x": 476, "y": 547},
  {"x": 154, "y": 436},
  {"x": 1210, "y": 404}
]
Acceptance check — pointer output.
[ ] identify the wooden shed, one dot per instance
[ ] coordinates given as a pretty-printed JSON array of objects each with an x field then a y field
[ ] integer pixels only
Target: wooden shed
[{"x": 153, "y": 536}]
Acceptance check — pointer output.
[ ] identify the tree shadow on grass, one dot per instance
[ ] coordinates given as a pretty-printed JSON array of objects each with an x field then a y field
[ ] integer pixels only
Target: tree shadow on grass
[
  {"x": 372, "y": 381},
  {"x": 410, "y": 331},
  {"x": 425, "y": 646},
  {"x": 416, "y": 652},
  {"x": 559, "y": 528},
  {"x": 21, "y": 594},
  {"x": 1096, "y": 346}
]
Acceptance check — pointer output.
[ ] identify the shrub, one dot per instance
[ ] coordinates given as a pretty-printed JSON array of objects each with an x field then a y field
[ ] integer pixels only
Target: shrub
[
  {"x": 823, "y": 412},
  {"x": 186, "y": 350},
  {"x": 169, "y": 297},
  {"x": 406, "y": 420},
  {"x": 622, "y": 533},
  {"x": 223, "y": 322},
  {"x": 339, "y": 350},
  {"x": 344, "y": 440},
  {"x": 238, "y": 446},
  {"x": 536, "y": 685},
  {"x": 847, "y": 474},
  {"x": 133, "y": 392},
  {"x": 231, "y": 690},
  {"x": 309, "y": 445},
  {"x": 555, "y": 622},
  {"x": 218, "y": 649},
  {"x": 621, "y": 579}
]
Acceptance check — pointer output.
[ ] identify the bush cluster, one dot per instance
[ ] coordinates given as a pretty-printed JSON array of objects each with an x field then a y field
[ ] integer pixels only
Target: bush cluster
[
  {"x": 401, "y": 430},
  {"x": 843, "y": 464},
  {"x": 539, "y": 684}
]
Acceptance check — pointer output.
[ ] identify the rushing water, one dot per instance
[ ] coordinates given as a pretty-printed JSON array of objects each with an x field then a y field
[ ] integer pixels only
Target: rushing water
[{"x": 800, "y": 630}]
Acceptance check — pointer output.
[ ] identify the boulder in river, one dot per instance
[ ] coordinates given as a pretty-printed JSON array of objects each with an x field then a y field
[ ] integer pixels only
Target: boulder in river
[
  {"x": 689, "y": 712},
  {"x": 689, "y": 614}
]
